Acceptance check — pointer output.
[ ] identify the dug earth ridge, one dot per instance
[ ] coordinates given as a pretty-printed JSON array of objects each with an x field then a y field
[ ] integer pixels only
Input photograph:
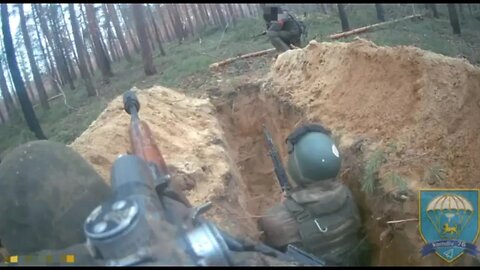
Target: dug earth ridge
[{"x": 419, "y": 108}]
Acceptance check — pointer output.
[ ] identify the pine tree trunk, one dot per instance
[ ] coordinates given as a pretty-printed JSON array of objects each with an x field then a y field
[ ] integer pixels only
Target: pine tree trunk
[
  {"x": 104, "y": 47},
  {"x": 251, "y": 10},
  {"x": 30, "y": 94},
  {"x": 116, "y": 53},
  {"x": 2, "y": 118},
  {"x": 70, "y": 43},
  {"x": 51, "y": 57},
  {"x": 139, "y": 18},
  {"x": 380, "y": 12},
  {"x": 116, "y": 25},
  {"x": 48, "y": 64},
  {"x": 324, "y": 10},
  {"x": 155, "y": 28},
  {"x": 68, "y": 60},
  {"x": 232, "y": 14},
  {"x": 64, "y": 68},
  {"x": 50, "y": 46},
  {"x": 179, "y": 22},
  {"x": 240, "y": 10},
  {"x": 42, "y": 94},
  {"x": 81, "y": 52},
  {"x": 189, "y": 19},
  {"x": 108, "y": 29},
  {"x": 65, "y": 45},
  {"x": 86, "y": 38},
  {"x": 111, "y": 34},
  {"x": 343, "y": 17},
  {"x": 25, "y": 103},
  {"x": 22, "y": 65},
  {"x": 100, "y": 54},
  {"x": 149, "y": 34},
  {"x": 127, "y": 25},
  {"x": 462, "y": 13},
  {"x": 452, "y": 12},
  {"x": 166, "y": 29},
  {"x": 204, "y": 14},
  {"x": 433, "y": 7},
  {"x": 213, "y": 15},
  {"x": 221, "y": 15},
  {"x": 7, "y": 98},
  {"x": 12, "y": 86},
  {"x": 198, "y": 19},
  {"x": 175, "y": 21}
]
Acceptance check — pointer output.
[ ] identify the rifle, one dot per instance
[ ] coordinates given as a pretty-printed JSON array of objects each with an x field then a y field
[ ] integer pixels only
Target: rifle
[
  {"x": 141, "y": 224},
  {"x": 277, "y": 162},
  {"x": 143, "y": 145},
  {"x": 261, "y": 34}
]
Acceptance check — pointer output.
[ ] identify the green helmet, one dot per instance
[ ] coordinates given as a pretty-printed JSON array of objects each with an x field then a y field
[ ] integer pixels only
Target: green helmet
[{"x": 313, "y": 155}]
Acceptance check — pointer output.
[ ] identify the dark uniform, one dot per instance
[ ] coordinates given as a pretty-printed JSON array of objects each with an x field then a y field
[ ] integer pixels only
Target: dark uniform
[
  {"x": 321, "y": 219},
  {"x": 282, "y": 29}
]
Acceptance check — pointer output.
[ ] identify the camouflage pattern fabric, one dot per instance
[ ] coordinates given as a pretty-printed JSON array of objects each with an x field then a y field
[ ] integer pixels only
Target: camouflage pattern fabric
[
  {"x": 331, "y": 207},
  {"x": 284, "y": 32}
]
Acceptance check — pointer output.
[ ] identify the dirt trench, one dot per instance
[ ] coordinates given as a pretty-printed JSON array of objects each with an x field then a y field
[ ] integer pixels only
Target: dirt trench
[
  {"x": 215, "y": 148},
  {"x": 242, "y": 114}
]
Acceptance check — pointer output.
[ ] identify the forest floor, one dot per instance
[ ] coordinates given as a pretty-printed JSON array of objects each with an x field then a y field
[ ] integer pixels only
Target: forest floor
[{"x": 415, "y": 128}]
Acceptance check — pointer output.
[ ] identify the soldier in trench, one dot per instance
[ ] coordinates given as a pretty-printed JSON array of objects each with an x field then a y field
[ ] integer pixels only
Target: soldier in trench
[{"x": 319, "y": 215}]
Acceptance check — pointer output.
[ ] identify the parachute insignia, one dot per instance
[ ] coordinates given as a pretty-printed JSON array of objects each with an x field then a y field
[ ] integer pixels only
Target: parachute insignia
[{"x": 448, "y": 222}]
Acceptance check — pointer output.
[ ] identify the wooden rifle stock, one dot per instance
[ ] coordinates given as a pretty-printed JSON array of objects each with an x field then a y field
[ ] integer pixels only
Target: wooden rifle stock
[{"x": 143, "y": 144}]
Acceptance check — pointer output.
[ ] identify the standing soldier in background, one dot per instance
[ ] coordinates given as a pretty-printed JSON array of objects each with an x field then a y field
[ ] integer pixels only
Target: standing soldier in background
[
  {"x": 319, "y": 215},
  {"x": 282, "y": 28}
]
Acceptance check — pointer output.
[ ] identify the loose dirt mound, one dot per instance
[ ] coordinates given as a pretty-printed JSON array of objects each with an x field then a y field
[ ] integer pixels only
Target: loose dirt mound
[
  {"x": 191, "y": 142},
  {"x": 421, "y": 108}
]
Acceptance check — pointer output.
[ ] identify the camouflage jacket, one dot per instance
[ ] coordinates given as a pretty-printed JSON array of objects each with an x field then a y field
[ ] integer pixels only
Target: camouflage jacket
[
  {"x": 321, "y": 219},
  {"x": 284, "y": 22}
]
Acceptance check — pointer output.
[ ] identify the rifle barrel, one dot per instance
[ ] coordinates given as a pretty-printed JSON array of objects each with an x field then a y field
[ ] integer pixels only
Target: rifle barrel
[{"x": 277, "y": 162}]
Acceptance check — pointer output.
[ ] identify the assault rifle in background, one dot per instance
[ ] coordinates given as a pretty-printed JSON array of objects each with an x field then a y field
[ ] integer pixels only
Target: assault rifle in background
[{"x": 277, "y": 162}]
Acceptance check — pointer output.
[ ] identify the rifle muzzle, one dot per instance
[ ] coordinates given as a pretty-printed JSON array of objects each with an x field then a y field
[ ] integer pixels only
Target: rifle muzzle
[{"x": 130, "y": 100}]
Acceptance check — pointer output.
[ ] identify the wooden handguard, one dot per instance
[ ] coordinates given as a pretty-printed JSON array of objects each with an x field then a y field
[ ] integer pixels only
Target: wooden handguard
[{"x": 144, "y": 146}]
